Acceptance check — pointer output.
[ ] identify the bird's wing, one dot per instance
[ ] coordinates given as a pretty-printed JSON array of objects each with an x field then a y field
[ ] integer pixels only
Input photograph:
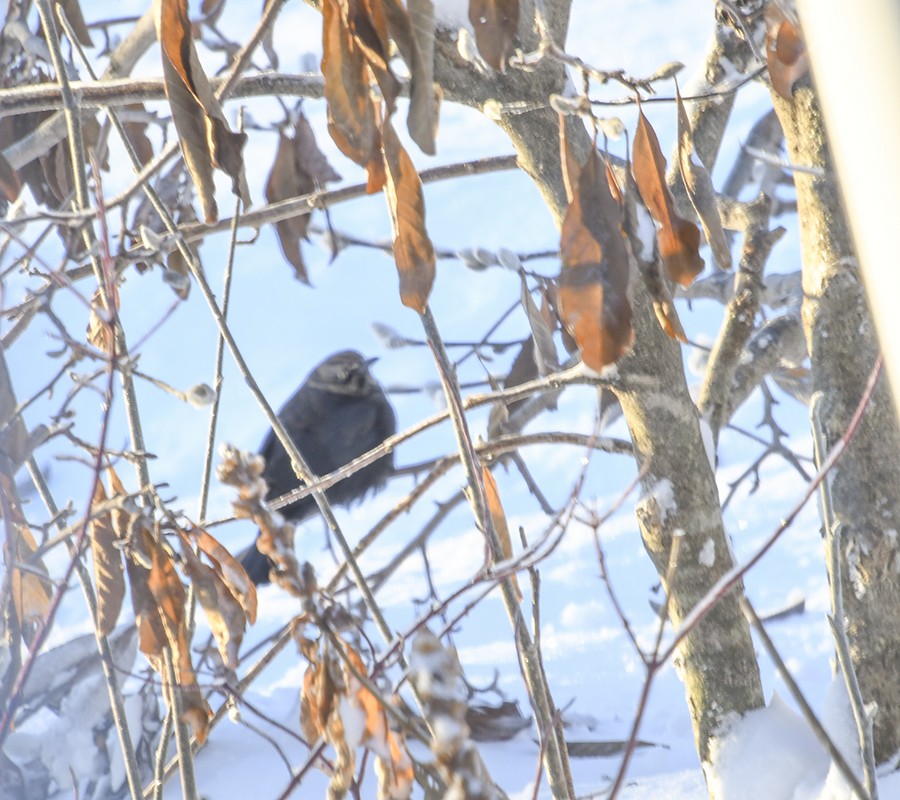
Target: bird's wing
[{"x": 296, "y": 415}]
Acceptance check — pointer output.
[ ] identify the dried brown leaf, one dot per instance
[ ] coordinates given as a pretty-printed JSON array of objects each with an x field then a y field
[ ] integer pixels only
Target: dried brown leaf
[
  {"x": 286, "y": 181},
  {"x": 321, "y": 682},
  {"x": 501, "y": 526},
  {"x": 495, "y": 23},
  {"x": 637, "y": 221},
  {"x": 412, "y": 31},
  {"x": 10, "y": 185},
  {"x": 99, "y": 331},
  {"x": 570, "y": 165},
  {"x": 351, "y": 112},
  {"x": 424, "y": 99},
  {"x": 786, "y": 56},
  {"x": 30, "y": 592},
  {"x": 168, "y": 593},
  {"x": 230, "y": 570},
  {"x": 206, "y": 140},
  {"x": 152, "y": 635},
  {"x": 109, "y": 571},
  {"x": 120, "y": 517},
  {"x": 300, "y": 168},
  {"x": 593, "y": 291},
  {"x": 136, "y": 132},
  {"x": 310, "y": 160},
  {"x": 539, "y": 320},
  {"x": 226, "y": 617},
  {"x": 700, "y": 189},
  {"x": 413, "y": 251},
  {"x": 679, "y": 239}
]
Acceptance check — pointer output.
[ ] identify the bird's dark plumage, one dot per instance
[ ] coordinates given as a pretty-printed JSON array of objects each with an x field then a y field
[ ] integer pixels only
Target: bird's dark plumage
[{"x": 339, "y": 413}]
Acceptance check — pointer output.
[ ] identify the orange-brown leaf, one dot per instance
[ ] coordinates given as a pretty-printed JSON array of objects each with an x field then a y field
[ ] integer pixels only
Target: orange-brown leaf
[
  {"x": 495, "y": 23},
  {"x": 224, "y": 613},
  {"x": 30, "y": 593},
  {"x": 10, "y": 185},
  {"x": 152, "y": 636},
  {"x": 206, "y": 140},
  {"x": 570, "y": 165},
  {"x": 593, "y": 291},
  {"x": 413, "y": 251},
  {"x": 679, "y": 240},
  {"x": 679, "y": 247},
  {"x": 230, "y": 570},
  {"x": 699, "y": 187},
  {"x": 786, "y": 56},
  {"x": 351, "y": 113},
  {"x": 501, "y": 526},
  {"x": 109, "y": 571}
]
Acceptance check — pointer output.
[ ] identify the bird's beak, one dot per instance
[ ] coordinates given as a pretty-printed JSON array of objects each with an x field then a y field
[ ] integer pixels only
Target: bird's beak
[{"x": 371, "y": 361}]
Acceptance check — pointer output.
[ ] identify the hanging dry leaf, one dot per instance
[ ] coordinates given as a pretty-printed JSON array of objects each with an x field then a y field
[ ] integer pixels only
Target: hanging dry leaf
[
  {"x": 300, "y": 168},
  {"x": 593, "y": 290},
  {"x": 700, "y": 189},
  {"x": 424, "y": 98},
  {"x": 230, "y": 570},
  {"x": 786, "y": 56},
  {"x": 335, "y": 704},
  {"x": 540, "y": 322},
  {"x": 206, "y": 140},
  {"x": 120, "y": 517},
  {"x": 136, "y": 133},
  {"x": 10, "y": 185},
  {"x": 495, "y": 23},
  {"x": 226, "y": 617},
  {"x": 169, "y": 595},
  {"x": 501, "y": 526},
  {"x": 30, "y": 592},
  {"x": 109, "y": 571},
  {"x": 412, "y": 31},
  {"x": 413, "y": 251},
  {"x": 284, "y": 182},
  {"x": 679, "y": 239},
  {"x": 99, "y": 331},
  {"x": 570, "y": 165},
  {"x": 642, "y": 236},
  {"x": 351, "y": 113}
]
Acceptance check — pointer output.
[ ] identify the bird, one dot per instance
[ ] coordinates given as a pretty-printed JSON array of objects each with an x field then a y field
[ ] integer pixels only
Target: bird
[{"x": 339, "y": 412}]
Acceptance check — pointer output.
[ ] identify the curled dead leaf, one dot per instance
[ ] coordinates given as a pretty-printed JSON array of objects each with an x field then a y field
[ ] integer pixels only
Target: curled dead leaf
[
  {"x": 206, "y": 140},
  {"x": 679, "y": 239},
  {"x": 501, "y": 526},
  {"x": 700, "y": 191},
  {"x": 786, "y": 56},
  {"x": 593, "y": 283},
  {"x": 413, "y": 251},
  {"x": 496, "y": 23},
  {"x": 109, "y": 571}
]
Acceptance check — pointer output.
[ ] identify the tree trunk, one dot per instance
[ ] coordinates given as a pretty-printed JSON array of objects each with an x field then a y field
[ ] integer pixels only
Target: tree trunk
[
  {"x": 716, "y": 661},
  {"x": 866, "y": 482}
]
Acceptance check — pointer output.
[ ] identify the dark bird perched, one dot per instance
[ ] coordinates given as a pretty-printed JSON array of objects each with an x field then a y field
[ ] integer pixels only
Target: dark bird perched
[{"x": 338, "y": 413}]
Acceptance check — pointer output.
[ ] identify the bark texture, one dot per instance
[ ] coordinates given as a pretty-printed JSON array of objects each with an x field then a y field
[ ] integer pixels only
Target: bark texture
[{"x": 866, "y": 482}]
